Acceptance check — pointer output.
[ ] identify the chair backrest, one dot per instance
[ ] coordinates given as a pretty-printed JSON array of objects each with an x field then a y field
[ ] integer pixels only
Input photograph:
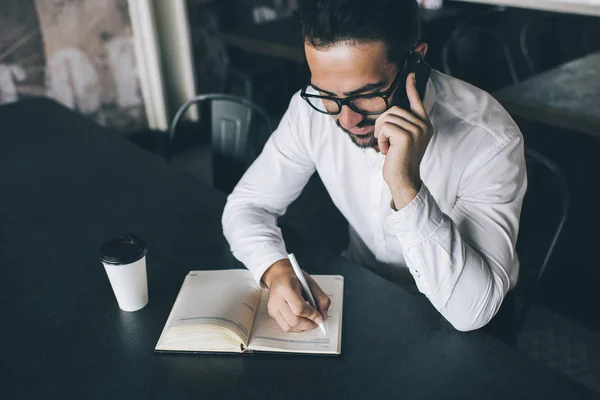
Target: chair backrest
[
  {"x": 477, "y": 53},
  {"x": 544, "y": 213},
  {"x": 239, "y": 129},
  {"x": 552, "y": 40}
]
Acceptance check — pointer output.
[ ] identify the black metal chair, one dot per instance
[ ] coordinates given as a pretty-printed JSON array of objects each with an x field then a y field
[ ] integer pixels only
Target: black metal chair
[
  {"x": 543, "y": 217},
  {"x": 237, "y": 137},
  {"x": 239, "y": 129},
  {"x": 477, "y": 53},
  {"x": 552, "y": 40}
]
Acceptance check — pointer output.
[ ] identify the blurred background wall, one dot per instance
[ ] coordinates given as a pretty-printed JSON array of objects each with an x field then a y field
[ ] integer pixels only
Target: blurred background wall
[{"x": 79, "y": 52}]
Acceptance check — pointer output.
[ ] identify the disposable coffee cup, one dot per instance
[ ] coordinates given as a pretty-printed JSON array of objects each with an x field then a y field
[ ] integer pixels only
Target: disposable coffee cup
[
  {"x": 431, "y": 4},
  {"x": 124, "y": 260}
]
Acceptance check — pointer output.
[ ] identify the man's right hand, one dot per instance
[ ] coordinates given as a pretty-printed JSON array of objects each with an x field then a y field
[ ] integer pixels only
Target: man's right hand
[{"x": 286, "y": 304}]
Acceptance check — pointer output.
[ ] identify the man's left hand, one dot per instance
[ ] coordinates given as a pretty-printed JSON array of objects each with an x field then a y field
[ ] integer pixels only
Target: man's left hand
[{"x": 403, "y": 137}]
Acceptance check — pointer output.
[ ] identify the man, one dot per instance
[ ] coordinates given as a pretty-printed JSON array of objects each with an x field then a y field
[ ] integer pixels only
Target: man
[{"x": 432, "y": 194}]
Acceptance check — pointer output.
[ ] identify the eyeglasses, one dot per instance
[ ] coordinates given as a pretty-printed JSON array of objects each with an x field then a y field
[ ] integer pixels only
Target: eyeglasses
[{"x": 366, "y": 104}]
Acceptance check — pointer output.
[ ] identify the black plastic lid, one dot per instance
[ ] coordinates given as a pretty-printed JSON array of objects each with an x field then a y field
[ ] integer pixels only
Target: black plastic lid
[{"x": 125, "y": 249}]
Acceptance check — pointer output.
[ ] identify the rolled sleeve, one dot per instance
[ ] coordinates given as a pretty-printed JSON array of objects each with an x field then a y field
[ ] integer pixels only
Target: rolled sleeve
[
  {"x": 418, "y": 220},
  {"x": 463, "y": 261}
]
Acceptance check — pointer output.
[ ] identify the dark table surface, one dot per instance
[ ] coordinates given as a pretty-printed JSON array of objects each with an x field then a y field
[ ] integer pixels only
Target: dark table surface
[
  {"x": 283, "y": 39},
  {"x": 567, "y": 96},
  {"x": 584, "y": 7},
  {"x": 69, "y": 185}
]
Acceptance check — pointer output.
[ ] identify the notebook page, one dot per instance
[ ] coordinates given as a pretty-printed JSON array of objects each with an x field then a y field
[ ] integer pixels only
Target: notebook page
[
  {"x": 268, "y": 336},
  {"x": 227, "y": 299}
]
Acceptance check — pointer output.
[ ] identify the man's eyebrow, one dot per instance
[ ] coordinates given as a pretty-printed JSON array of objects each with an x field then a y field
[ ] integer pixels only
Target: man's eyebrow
[{"x": 365, "y": 88}]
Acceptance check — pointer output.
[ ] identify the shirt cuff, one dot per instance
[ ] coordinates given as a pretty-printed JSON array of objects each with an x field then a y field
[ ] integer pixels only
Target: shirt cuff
[
  {"x": 418, "y": 220},
  {"x": 264, "y": 264}
]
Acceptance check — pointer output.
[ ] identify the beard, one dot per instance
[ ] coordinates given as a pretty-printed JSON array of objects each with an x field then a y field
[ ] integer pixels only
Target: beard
[{"x": 362, "y": 141}]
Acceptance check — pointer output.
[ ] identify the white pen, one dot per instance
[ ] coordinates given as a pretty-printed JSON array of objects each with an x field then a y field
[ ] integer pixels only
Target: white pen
[{"x": 300, "y": 275}]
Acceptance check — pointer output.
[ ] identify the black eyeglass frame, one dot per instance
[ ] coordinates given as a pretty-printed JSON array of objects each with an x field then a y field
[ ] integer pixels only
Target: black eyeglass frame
[{"x": 347, "y": 101}]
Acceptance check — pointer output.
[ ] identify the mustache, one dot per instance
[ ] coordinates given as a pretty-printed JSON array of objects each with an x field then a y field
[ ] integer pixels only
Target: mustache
[
  {"x": 364, "y": 123},
  {"x": 364, "y": 143}
]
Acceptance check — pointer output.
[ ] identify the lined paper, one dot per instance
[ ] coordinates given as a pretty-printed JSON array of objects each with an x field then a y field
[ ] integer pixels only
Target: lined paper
[
  {"x": 268, "y": 336},
  {"x": 223, "y": 298}
]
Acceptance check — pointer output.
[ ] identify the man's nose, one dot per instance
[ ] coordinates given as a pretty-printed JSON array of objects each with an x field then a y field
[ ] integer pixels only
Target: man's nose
[{"x": 348, "y": 118}]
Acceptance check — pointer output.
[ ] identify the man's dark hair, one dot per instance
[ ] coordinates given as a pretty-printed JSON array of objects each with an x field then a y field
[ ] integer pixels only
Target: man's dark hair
[{"x": 396, "y": 23}]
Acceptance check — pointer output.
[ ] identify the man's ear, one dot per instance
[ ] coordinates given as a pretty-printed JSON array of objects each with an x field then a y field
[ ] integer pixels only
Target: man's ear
[{"x": 422, "y": 49}]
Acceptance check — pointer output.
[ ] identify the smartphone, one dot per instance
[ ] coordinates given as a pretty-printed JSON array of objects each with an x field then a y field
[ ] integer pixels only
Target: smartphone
[{"x": 414, "y": 63}]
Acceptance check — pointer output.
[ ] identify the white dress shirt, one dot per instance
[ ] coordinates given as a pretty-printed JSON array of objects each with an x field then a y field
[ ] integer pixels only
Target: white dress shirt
[{"x": 455, "y": 240}]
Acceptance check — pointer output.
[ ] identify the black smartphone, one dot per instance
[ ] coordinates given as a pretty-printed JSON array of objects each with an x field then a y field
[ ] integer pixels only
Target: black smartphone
[{"x": 414, "y": 63}]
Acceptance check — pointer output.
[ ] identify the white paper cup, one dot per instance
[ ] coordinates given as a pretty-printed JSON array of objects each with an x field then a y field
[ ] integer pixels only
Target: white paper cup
[
  {"x": 124, "y": 260},
  {"x": 431, "y": 4}
]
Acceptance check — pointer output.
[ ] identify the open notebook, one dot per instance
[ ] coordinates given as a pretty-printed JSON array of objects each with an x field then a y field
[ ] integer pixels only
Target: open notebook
[{"x": 226, "y": 311}]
